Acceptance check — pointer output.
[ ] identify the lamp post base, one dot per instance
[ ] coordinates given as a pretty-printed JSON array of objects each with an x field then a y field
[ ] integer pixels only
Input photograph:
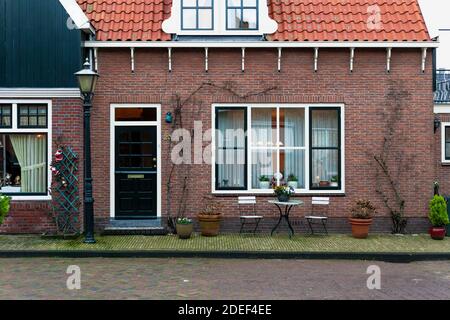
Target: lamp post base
[{"x": 89, "y": 240}]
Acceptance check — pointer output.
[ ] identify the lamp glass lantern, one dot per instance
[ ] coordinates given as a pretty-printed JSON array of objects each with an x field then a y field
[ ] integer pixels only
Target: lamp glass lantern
[{"x": 87, "y": 79}]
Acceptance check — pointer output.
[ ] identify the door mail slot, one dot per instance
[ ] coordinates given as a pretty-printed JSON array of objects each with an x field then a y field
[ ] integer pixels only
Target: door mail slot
[{"x": 136, "y": 176}]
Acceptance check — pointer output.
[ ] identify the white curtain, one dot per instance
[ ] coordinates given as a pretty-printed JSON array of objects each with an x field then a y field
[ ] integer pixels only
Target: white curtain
[
  {"x": 31, "y": 151},
  {"x": 231, "y": 148},
  {"x": 294, "y": 122},
  {"x": 324, "y": 135}
]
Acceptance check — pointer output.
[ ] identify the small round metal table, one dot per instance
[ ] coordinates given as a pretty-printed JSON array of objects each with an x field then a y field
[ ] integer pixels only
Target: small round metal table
[{"x": 287, "y": 209}]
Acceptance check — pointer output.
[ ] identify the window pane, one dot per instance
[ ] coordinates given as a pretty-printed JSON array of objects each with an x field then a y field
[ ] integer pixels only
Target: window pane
[
  {"x": 249, "y": 20},
  {"x": 136, "y": 114},
  {"x": 292, "y": 166},
  {"x": 204, "y": 3},
  {"x": 249, "y": 3},
  {"x": 325, "y": 126},
  {"x": 23, "y": 163},
  {"x": 189, "y": 18},
  {"x": 264, "y": 127},
  {"x": 189, "y": 3},
  {"x": 447, "y": 134},
  {"x": 32, "y": 116},
  {"x": 230, "y": 150},
  {"x": 264, "y": 163},
  {"x": 447, "y": 150},
  {"x": 324, "y": 164},
  {"x": 234, "y": 18},
  {"x": 292, "y": 127},
  {"x": 205, "y": 19},
  {"x": 234, "y": 3}
]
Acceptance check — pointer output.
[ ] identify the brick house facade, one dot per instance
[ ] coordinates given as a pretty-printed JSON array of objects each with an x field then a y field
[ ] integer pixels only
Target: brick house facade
[{"x": 378, "y": 90}]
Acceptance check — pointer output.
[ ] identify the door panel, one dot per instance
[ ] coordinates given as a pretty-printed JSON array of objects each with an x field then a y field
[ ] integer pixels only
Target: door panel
[{"x": 136, "y": 193}]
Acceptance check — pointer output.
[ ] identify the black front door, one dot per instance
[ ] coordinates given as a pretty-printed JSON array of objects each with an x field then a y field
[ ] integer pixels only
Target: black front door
[{"x": 136, "y": 173}]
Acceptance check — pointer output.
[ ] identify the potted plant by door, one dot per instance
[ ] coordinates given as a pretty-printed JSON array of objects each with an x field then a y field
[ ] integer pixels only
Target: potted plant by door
[
  {"x": 361, "y": 218},
  {"x": 210, "y": 217},
  {"x": 283, "y": 193},
  {"x": 438, "y": 217},
  {"x": 293, "y": 181},
  {"x": 264, "y": 182},
  {"x": 184, "y": 228}
]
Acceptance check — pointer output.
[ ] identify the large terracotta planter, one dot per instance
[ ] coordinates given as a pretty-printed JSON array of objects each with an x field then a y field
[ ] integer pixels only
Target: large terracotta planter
[
  {"x": 209, "y": 224},
  {"x": 360, "y": 227},
  {"x": 437, "y": 233},
  {"x": 184, "y": 231}
]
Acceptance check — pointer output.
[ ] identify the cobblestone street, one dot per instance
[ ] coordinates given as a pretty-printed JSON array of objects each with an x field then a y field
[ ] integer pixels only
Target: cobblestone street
[{"x": 41, "y": 278}]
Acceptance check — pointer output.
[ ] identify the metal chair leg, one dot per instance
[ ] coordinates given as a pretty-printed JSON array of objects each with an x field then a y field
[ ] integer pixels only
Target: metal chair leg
[
  {"x": 242, "y": 225},
  {"x": 310, "y": 227},
  {"x": 324, "y": 223},
  {"x": 256, "y": 227}
]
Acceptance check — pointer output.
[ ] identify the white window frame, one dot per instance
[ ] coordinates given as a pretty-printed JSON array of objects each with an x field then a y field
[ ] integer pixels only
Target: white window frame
[
  {"x": 444, "y": 125},
  {"x": 48, "y": 131},
  {"x": 112, "y": 165},
  {"x": 307, "y": 148}
]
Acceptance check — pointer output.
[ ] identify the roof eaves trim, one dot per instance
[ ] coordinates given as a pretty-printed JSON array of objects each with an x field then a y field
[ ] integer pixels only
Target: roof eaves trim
[{"x": 77, "y": 15}]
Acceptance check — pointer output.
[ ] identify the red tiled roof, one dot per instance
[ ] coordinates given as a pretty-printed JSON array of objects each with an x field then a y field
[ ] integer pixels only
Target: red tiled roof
[{"x": 298, "y": 20}]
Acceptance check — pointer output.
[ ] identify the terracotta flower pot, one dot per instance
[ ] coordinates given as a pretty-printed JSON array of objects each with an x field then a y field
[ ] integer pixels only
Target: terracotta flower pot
[
  {"x": 437, "y": 233},
  {"x": 360, "y": 227},
  {"x": 184, "y": 231},
  {"x": 209, "y": 224}
]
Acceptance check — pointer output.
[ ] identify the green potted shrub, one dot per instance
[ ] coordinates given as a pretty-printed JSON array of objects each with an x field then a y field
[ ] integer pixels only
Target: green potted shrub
[
  {"x": 361, "y": 218},
  {"x": 264, "y": 182},
  {"x": 210, "y": 217},
  {"x": 438, "y": 217},
  {"x": 5, "y": 205},
  {"x": 292, "y": 181},
  {"x": 283, "y": 193},
  {"x": 184, "y": 228},
  {"x": 334, "y": 182}
]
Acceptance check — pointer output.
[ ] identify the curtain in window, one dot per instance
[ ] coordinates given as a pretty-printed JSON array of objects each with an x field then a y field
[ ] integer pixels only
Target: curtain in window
[
  {"x": 31, "y": 151},
  {"x": 325, "y": 145},
  {"x": 231, "y": 148},
  {"x": 294, "y": 160}
]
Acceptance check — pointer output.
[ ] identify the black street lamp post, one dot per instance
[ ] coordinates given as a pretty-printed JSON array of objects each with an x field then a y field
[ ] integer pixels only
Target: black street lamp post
[{"x": 87, "y": 80}]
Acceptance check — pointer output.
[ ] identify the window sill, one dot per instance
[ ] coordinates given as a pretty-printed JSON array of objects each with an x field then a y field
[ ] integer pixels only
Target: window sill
[
  {"x": 265, "y": 193},
  {"x": 30, "y": 198}
]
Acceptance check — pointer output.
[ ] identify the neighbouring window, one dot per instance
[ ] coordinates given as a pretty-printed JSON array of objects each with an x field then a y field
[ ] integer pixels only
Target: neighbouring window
[
  {"x": 32, "y": 116},
  {"x": 242, "y": 14},
  {"x": 276, "y": 150},
  {"x": 197, "y": 15},
  {"x": 231, "y": 144},
  {"x": 24, "y": 167},
  {"x": 446, "y": 142},
  {"x": 5, "y": 115}
]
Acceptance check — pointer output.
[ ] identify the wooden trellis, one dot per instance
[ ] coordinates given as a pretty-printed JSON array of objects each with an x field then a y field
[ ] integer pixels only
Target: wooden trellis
[{"x": 65, "y": 192}]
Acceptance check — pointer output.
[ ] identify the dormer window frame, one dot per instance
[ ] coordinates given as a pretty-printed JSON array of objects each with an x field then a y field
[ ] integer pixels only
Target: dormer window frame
[
  {"x": 242, "y": 7},
  {"x": 197, "y": 8}
]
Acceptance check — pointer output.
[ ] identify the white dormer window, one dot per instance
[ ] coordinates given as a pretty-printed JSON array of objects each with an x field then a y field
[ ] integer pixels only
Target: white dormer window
[
  {"x": 197, "y": 15},
  {"x": 220, "y": 18}
]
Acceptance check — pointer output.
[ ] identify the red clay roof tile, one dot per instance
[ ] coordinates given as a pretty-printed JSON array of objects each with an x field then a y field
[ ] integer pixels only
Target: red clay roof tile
[{"x": 298, "y": 20}]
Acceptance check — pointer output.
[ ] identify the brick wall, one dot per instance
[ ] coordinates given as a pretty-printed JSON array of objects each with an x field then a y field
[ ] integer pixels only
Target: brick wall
[
  {"x": 367, "y": 93},
  {"x": 33, "y": 216}
]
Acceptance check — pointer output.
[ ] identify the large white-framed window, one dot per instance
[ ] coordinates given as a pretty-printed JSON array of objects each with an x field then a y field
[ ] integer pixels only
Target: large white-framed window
[
  {"x": 257, "y": 146},
  {"x": 445, "y": 142},
  {"x": 25, "y": 148}
]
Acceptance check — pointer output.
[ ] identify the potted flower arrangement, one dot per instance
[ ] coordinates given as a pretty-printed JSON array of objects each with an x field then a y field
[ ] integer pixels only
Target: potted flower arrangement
[
  {"x": 438, "y": 217},
  {"x": 292, "y": 181},
  {"x": 264, "y": 182},
  {"x": 283, "y": 193},
  {"x": 210, "y": 217},
  {"x": 184, "y": 228},
  {"x": 361, "y": 218},
  {"x": 334, "y": 181}
]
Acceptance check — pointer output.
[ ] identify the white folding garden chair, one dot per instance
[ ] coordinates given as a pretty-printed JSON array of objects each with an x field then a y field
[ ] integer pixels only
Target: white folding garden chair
[{"x": 247, "y": 211}]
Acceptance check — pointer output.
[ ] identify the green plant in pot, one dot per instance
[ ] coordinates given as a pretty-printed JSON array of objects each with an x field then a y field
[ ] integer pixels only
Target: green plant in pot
[
  {"x": 264, "y": 182},
  {"x": 283, "y": 193},
  {"x": 334, "y": 182},
  {"x": 292, "y": 181},
  {"x": 438, "y": 217},
  {"x": 210, "y": 217},
  {"x": 185, "y": 227},
  {"x": 361, "y": 218},
  {"x": 5, "y": 204}
]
